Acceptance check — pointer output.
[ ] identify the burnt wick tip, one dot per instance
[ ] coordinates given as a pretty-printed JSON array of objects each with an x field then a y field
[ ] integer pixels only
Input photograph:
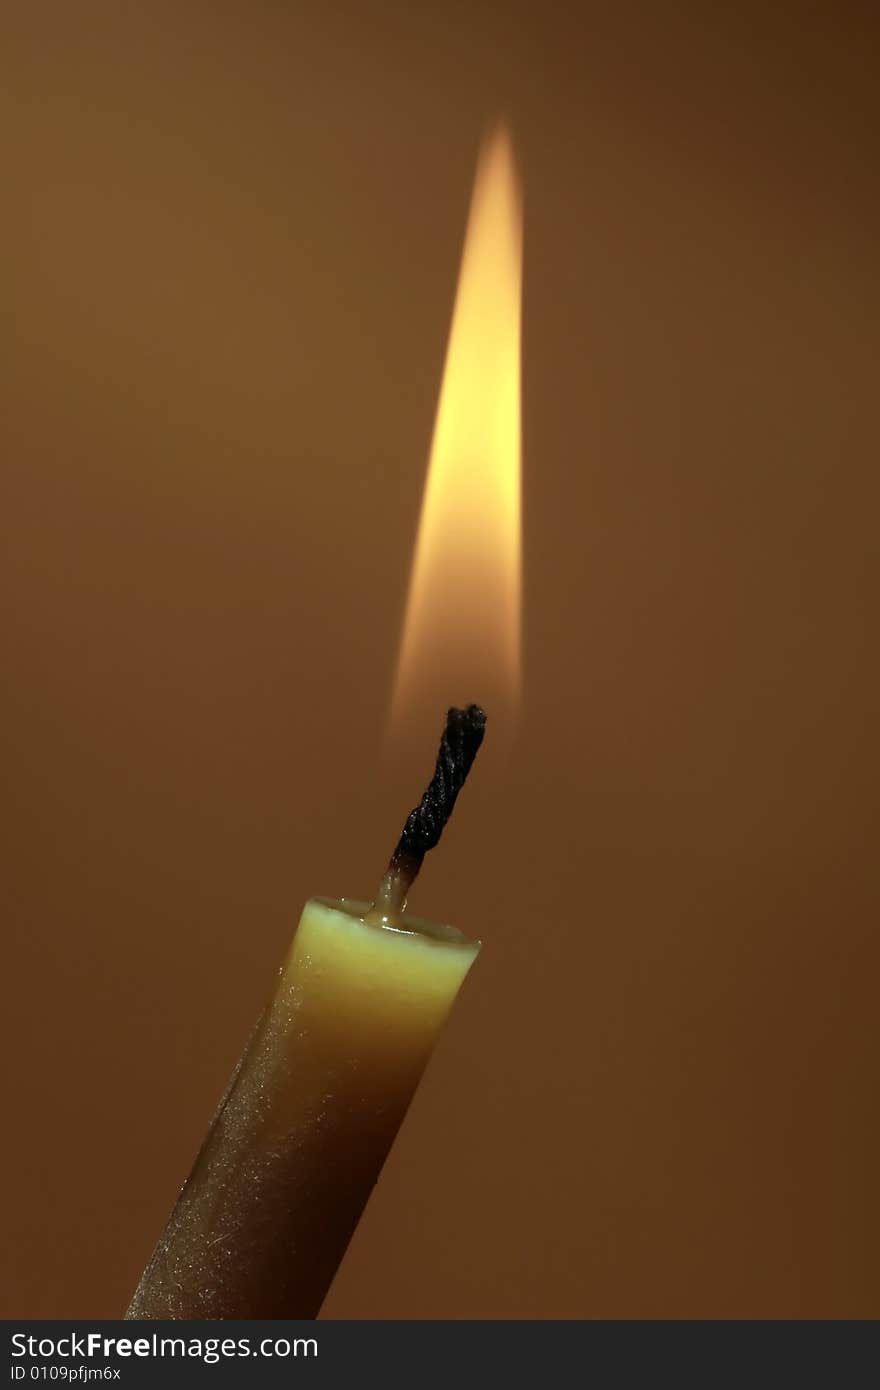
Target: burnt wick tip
[{"x": 426, "y": 822}]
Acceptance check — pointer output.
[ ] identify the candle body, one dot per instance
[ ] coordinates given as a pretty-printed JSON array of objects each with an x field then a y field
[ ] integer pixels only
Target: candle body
[{"x": 307, "y": 1121}]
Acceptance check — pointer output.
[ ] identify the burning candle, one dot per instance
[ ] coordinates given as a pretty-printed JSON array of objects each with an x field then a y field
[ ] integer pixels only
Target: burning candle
[{"x": 316, "y": 1100}]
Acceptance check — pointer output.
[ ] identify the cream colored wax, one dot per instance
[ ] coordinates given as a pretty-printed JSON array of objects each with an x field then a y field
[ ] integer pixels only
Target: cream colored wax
[{"x": 310, "y": 1114}]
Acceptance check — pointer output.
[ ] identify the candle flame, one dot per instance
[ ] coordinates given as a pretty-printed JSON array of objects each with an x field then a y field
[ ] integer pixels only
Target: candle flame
[{"x": 461, "y": 635}]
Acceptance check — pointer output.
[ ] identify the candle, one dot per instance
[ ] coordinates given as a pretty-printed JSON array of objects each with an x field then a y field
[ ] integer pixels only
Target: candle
[
  {"x": 319, "y": 1094},
  {"x": 313, "y": 1108}
]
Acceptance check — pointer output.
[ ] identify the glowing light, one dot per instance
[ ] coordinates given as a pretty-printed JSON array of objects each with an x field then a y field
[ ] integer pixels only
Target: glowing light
[{"x": 462, "y": 630}]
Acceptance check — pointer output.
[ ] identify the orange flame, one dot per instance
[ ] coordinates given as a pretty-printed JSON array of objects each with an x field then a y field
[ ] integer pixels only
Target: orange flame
[{"x": 462, "y": 630}]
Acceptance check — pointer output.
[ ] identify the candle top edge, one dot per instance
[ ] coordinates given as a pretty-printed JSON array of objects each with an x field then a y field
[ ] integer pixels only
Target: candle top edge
[{"x": 436, "y": 933}]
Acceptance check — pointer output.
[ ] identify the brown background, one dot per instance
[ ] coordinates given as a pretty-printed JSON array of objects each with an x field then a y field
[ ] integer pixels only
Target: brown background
[{"x": 233, "y": 236}]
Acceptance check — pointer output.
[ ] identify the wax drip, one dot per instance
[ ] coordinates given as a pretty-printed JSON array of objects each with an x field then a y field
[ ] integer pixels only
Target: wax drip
[{"x": 425, "y": 823}]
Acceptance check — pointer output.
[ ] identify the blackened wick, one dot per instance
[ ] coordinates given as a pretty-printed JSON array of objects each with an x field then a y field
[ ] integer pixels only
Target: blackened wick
[{"x": 425, "y": 823}]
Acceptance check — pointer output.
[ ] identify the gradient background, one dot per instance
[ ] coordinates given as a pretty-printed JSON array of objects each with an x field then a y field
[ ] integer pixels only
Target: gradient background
[{"x": 233, "y": 234}]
